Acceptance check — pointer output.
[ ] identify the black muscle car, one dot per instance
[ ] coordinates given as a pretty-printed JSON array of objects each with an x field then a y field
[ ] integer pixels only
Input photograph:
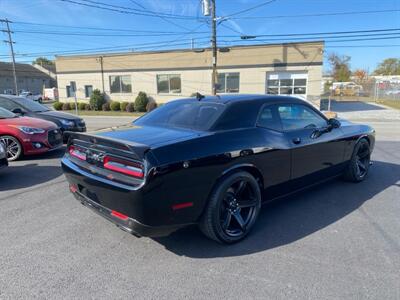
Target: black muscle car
[{"x": 211, "y": 161}]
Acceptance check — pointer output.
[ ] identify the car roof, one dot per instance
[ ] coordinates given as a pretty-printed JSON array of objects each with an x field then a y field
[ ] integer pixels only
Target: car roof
[
  {"x": 11, "y": 97},
  {"x": 233, "y": 98}
]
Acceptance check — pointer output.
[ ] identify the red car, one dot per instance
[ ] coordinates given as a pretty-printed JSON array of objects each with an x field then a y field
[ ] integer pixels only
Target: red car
[{"x": 27, "y": 136}]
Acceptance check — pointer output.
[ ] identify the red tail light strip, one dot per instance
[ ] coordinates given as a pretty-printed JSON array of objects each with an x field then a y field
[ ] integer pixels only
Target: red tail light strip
[
  {"x": 124, "y": 167},
  {"x": 76, "y": 152}
]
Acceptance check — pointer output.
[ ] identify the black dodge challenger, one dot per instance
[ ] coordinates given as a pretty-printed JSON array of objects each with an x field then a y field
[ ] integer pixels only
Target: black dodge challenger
[{"x": 211, "y": 161}]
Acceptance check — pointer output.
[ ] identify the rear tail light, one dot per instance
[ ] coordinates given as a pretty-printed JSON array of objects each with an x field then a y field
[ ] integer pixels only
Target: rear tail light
[
  {"x": 76, "y": 152},
  {"x": 123, "y": 166}
]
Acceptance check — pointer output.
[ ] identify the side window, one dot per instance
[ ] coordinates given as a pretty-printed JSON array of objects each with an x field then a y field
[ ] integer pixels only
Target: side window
[
  {"x": 269, "y": 119},
  {"x": 238, "y": 115},
  {"x": 297, "y": 116},
  {"x": 7, "y": 104}
]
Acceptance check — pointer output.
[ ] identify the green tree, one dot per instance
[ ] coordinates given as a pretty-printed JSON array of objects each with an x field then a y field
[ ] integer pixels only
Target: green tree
[
  {"x": 97, "y": 100},
  {"x": 141, "y": 102},
  {"x": 340, "y": 67},
  {"x": 43, "y": 61},
  {"x": 389, "y": 66}
]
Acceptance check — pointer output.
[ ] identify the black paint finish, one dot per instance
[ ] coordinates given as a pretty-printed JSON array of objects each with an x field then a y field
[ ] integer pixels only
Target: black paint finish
[{"x": 183, "y": 165}]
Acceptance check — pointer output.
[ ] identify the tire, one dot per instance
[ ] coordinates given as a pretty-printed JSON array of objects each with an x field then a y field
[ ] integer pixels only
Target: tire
[
  {"x": 232, "y": 209},
  {"x": 359, "y": 163},
  {"x": 13, "y": 147}
]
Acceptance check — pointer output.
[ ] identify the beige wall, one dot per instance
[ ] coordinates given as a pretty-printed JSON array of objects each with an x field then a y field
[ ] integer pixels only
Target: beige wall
[{"x": 253, "y": 63}]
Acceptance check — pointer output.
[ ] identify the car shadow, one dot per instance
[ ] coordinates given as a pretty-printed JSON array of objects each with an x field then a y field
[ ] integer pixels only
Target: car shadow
[
  {"x": 292, "y": 218},
  {"x": 25, "y": 172},
  {"x": 22, "y": 176}
]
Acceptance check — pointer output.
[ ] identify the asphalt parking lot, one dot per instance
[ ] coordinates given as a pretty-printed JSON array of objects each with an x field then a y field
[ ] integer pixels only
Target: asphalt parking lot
[{"x": 337, "y": 241}]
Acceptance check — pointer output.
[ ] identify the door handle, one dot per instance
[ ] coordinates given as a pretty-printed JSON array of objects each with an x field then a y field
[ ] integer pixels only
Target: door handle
[{"x": 296, "y": 140}]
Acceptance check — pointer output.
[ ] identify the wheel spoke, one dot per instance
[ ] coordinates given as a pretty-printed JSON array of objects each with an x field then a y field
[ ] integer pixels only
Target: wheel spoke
[
  {"x": 247, "y": 203},
  {"x": 361, "y": 165},
  {"x": 241, "y": 187},
  {"x": 227, "y": 220},
  {"x": 238, "y": 217},
  {"x": 358, "y": 170},
  {"x": 363, "y": 154}
]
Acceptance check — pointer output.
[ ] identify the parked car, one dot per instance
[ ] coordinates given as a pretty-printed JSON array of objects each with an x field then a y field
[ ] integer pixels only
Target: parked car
[
  {"x": 31, "y": 96},
  {"x": 25, "y": 107},
  {"x": 212, "y": 162},
  {"x": 27, "y": 136},
  {"x": 3, "y": 157}
]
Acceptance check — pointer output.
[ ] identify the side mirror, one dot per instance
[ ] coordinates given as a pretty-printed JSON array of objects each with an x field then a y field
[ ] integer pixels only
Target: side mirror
[
  {"x": 18, "y": 111},
  {"x": 333, "y": 123}
]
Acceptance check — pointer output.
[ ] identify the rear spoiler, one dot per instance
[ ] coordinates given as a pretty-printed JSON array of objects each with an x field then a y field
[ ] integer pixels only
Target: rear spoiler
[{"x": 135, "y": 149}]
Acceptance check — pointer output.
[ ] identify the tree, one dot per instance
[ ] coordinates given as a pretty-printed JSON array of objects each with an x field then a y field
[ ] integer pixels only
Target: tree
[
  {"x": 340, "y": 67},
  {"x": 389, "y": 66},
  {"x": 43, "y": 61},
  {"x": 97, "y": 100},
  {"x": 360, "y": 76}
]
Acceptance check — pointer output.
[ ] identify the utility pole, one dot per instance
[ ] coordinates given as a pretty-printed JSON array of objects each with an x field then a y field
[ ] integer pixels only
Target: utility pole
[
  {"x": 214, "y": 47},
  {"x": 10, "y": 41}
]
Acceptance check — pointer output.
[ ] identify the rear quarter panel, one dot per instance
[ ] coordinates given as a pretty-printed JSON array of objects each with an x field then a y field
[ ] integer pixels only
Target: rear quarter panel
[{"x": 208, "y": 158}]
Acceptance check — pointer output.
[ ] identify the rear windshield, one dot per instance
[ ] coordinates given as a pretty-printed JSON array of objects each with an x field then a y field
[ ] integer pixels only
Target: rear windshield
[
  {"x": 6, "y": 114},
  {"x": 195, "y": 115},
  {"x": 31, "y": 105}
]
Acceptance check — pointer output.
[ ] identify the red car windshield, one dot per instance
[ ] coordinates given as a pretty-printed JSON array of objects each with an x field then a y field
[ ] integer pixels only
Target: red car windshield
[{"x": 6, "y": 114}]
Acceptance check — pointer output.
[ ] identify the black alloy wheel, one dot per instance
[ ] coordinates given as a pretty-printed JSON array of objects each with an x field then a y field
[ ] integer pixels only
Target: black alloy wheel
[
  {"x": 359, "y": 164},
  {"x": 233, "y": 208}
]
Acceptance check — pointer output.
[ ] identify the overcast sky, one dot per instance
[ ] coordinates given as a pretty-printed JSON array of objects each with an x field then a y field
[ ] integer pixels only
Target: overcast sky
[{"x": 279, "y": 17}]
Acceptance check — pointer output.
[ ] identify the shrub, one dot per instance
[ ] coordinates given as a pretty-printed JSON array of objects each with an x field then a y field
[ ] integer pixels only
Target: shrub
[
  {"x": 130, "y": 107},
  {"x": 87, "y": 106},
  {"x": 152, "y": 104},
  {"x": 58, "y": 105},
  {"x": 123, "y": 106},
  {"x": 66, "y": 106},
  {"x": 72, "y": 106},
  {"x": 106, "y": 106},
  {"x": 141, "y": 102},
  {"x": 115, "y": 106},
  {"x": 81, "y": 105},
  {"x": 97, "y": 100}
]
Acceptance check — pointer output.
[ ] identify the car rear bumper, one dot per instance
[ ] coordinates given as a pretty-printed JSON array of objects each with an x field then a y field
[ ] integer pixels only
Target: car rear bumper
[
  {"x": 143, "y": 214},
  {"x": 127, "y": 224}
]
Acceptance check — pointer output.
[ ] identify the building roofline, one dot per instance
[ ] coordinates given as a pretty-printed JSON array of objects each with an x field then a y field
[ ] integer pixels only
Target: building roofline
[{"x": 127, "y": 53}]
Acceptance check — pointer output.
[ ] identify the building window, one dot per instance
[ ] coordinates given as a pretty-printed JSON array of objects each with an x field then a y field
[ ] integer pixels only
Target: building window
[
  {"x": 286, "y": 84},
  {"x": 88, "y": 90},
  {"x": 120, "y": 84},
  {"x": 169, "y": 84},
  {"x": 69, "y": 91},
  {"x": 228, "y": 83}
]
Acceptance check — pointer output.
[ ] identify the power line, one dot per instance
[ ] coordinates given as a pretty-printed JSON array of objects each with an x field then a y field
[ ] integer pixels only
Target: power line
[
  {"x": 331, "y": 32},
  {"x": 320, "y": 14},
  {"x": 250, "y": 8},
  {"x": 102, "y": 34},
  {"x": 160, "y": 16},
  {"x": 125, "y": 11},
  {"x": 91, "y": 28}
]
